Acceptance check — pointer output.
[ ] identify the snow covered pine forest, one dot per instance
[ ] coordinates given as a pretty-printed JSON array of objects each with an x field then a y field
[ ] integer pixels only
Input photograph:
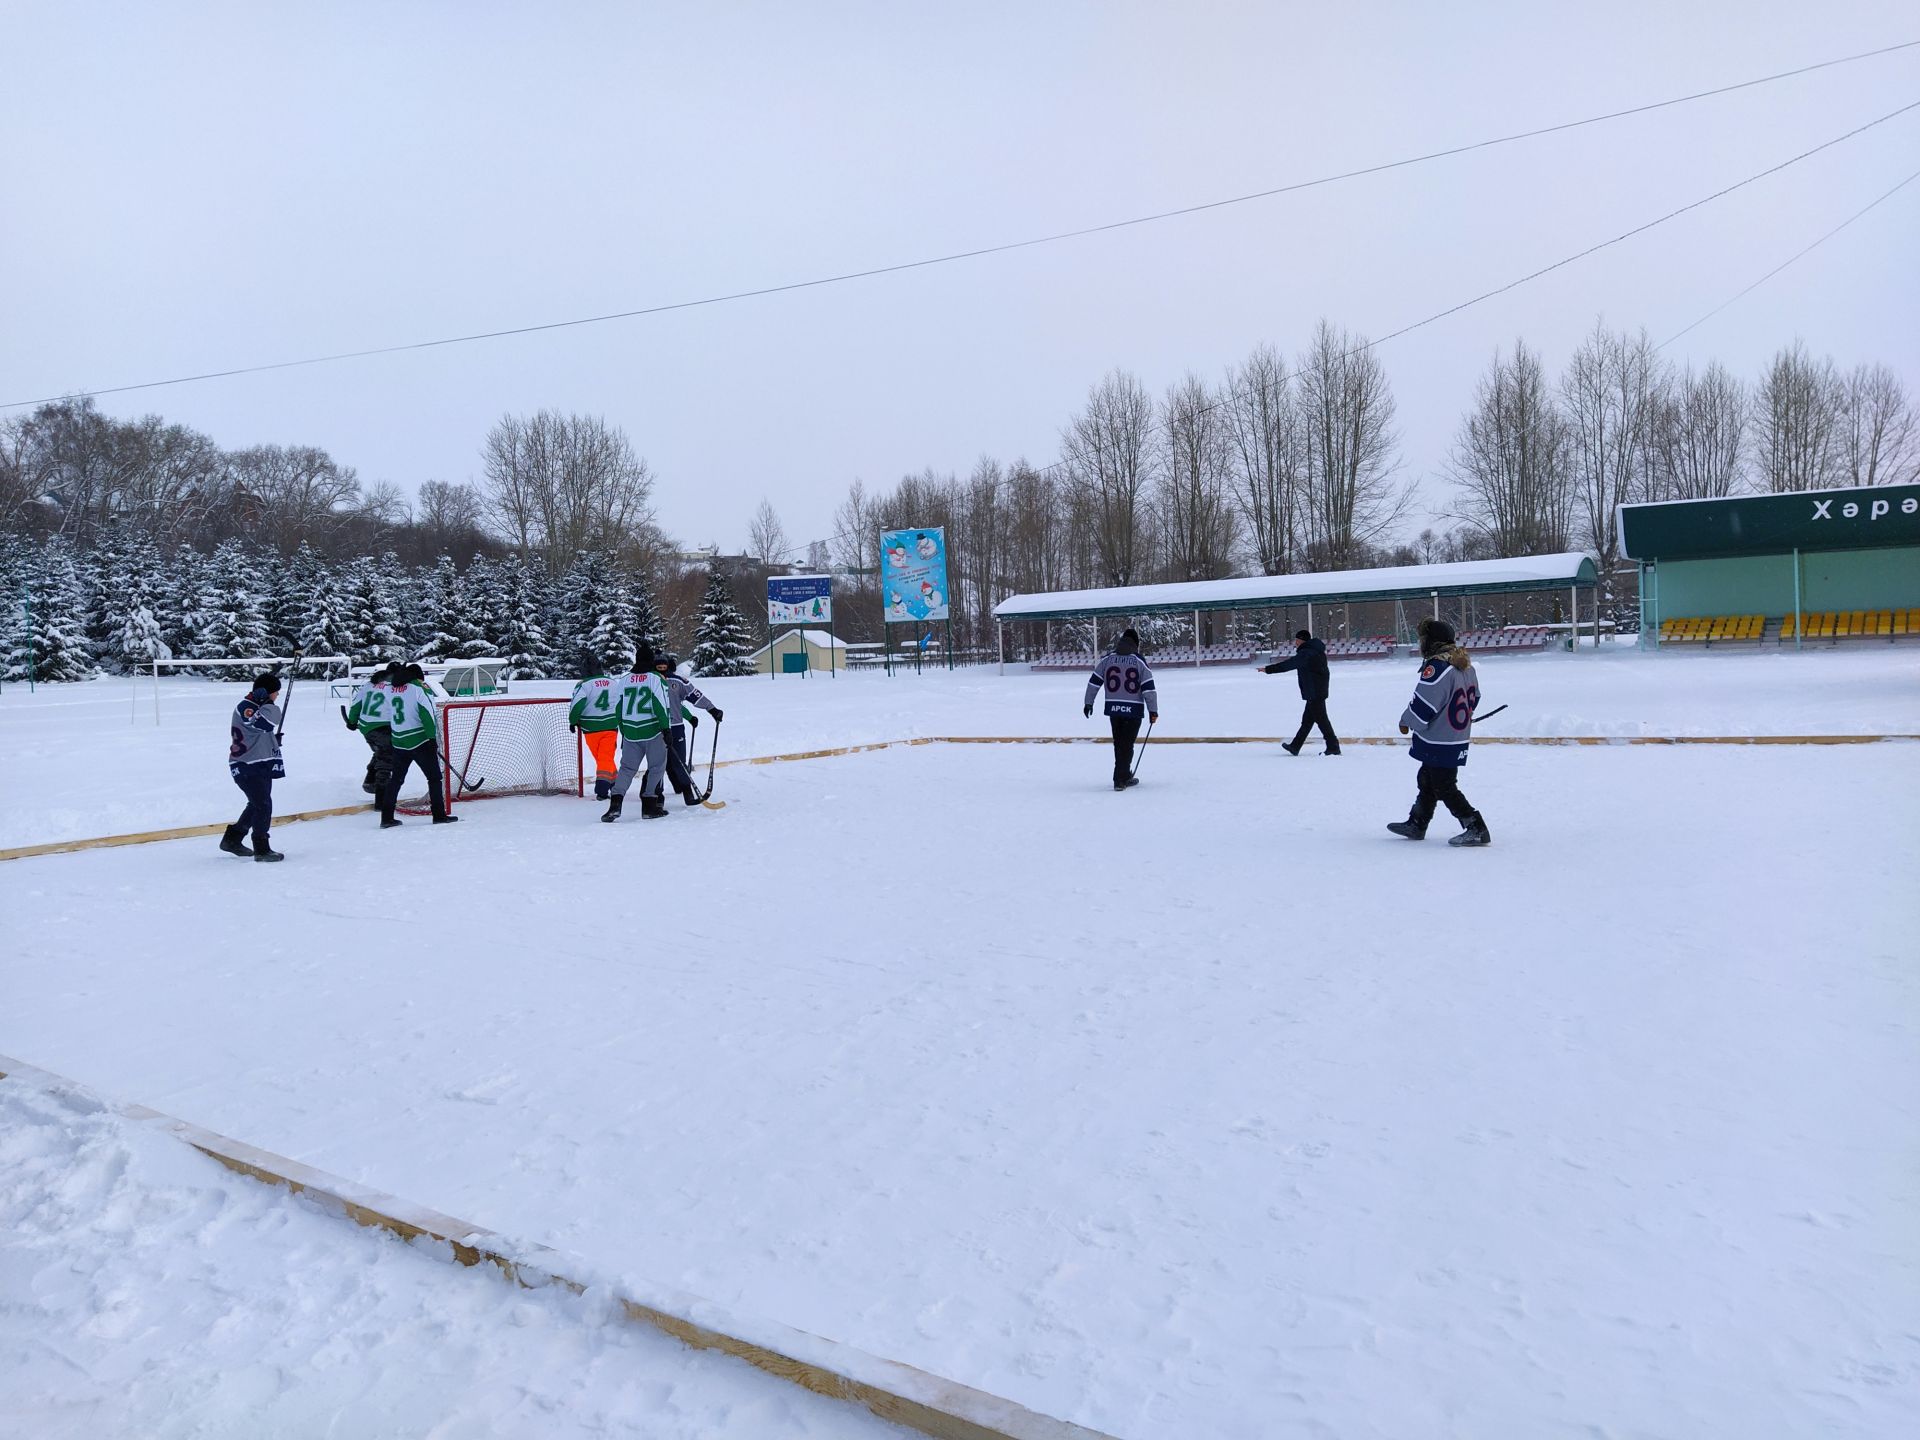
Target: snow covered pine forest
[{"x": 122, "y": 604}]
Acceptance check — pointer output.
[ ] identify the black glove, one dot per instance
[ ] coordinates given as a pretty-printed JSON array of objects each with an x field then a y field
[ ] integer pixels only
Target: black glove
[
  {"x": 718, "y": 715},
  {"x": 1273, "y": 669},
  {"x": 1087, "y": 709},
  {"x": 694, "y": 721},
  {"x": 572, "y": 729},
  {"x": 346, "y": 719}
]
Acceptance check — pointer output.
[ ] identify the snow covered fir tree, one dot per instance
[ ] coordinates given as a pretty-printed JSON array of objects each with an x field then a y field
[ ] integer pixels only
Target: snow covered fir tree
[{"x": 722, "y": 643}]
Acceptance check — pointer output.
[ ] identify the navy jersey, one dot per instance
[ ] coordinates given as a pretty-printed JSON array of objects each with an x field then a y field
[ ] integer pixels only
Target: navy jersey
[
  {"x": 1127, "y": 683},
  {"x": 250, "y": 736},
  {"x": 1440, "y": 715}
]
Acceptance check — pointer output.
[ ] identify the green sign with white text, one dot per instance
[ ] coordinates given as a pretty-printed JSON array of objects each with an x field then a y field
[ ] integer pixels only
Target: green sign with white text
[{"x": 1859, "y": 519}]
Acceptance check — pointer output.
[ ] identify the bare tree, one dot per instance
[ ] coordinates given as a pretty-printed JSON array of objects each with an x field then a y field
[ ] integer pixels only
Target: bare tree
[
  {"x": 1269, "y": 455},
  {"x": 1036, "y": 524},
  {"x": 292, "y": 492},
  {"x": 559, "y": 484},
  {"x": 78, "y": 464},
  {"x": 767, "y": 537},
  {"x": 183, "y": 486},
  {"x": 1347, "y": 409},
  {"x": 975, "y": 548},
  {"x": 17, "y": 497},
  {"x": 1509, "y": 460},
  {"x": 1796, "y": 423},
  {"x": 1197, "y": 522},
  {"x": 1699, "y": 435},
  {"x": 1607, "y": 393},
  {"x": 1879, "y": 430},
  {"x": 1109, "y": 460},
  {"x": 856, "y": 529},
  {"x": 449, "y": 516}
]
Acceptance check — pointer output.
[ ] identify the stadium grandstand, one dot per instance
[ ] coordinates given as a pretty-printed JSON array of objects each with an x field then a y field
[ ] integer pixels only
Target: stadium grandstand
[
  {"x": 1809, "y": 567},
  {"x": 1413, "y": 591}
]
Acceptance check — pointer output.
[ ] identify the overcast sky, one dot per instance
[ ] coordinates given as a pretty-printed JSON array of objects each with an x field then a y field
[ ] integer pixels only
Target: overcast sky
[{"x": 194, "y": 186}]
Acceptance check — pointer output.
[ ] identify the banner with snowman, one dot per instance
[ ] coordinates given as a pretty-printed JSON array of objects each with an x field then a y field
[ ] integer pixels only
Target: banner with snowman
[{"x": 913, "y": 575}]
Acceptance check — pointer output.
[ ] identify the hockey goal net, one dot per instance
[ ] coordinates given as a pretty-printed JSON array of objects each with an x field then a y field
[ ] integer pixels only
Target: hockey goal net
[{"x": 504, "y": 746}]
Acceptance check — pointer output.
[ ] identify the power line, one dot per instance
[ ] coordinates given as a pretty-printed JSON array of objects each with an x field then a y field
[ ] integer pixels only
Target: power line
[
  {"x": 1595, "y": 249},
  {"x": 980, "y": 252},
  {"x": 1797, "y": 255}
]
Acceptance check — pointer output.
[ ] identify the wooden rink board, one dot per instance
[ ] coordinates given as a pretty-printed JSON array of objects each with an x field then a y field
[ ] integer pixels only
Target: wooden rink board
[
  {"x": 943, "y": 1409},
  {"x": 190, "y": 832}
]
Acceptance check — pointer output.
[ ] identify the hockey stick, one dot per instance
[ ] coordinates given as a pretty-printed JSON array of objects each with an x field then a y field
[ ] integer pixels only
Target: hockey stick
[
  {"x": 1141, "y": 754},
  {"x": 287, "y": 709},
  {"x": 1490, "y": 714},
  {"x": 467, "y": 786},
  {"x": 706, "y": 796}
]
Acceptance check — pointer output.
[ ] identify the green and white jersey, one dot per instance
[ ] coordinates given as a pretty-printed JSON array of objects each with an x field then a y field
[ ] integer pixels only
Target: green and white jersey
[
  {"x": 411, "y": 713},
  {"x": 368, "y": 708},
  {"x": 643, "y": 706},
  {"x": 596, "y": 705}
]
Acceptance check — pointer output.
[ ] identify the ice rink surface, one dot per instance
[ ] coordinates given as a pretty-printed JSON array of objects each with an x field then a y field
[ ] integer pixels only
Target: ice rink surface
[
  {"x": 1205, "y": 1109},
  {"x": 82, "y": 760}
]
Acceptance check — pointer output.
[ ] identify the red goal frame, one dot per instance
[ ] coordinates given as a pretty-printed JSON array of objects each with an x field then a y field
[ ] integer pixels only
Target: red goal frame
[{"x": 448, "y": 779}]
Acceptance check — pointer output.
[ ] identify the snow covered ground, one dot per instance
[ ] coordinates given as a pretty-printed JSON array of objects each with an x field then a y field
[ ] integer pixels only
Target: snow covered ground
[
  {"x": 84, "y": 760},
  {"x": 146, "y": 1291},
  {"x": 1209, "y": 1109}
]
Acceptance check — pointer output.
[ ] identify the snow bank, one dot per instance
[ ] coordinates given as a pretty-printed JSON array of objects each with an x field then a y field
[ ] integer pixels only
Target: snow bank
[{"x": 147, "y": 1292}]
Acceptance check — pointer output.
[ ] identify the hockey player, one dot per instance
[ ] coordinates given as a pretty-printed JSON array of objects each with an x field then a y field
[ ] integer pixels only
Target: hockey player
[
  {"x": 1131, "y": 696},
  {"x": 595, "y": 714},
  {"x": 367, "y": 713},
  {"x": 682, "y": 694},
  {"x": 416, "y": 734},
  {"x": 1309, "y": 665},
  {"x": 1440, "y": 719},
  {"x": 643, "y": 728},
  {"x": 253, "y": 759}
]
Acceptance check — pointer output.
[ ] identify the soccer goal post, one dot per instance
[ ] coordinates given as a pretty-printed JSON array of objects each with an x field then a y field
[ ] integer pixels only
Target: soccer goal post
[{"x": 246, "y": 664}]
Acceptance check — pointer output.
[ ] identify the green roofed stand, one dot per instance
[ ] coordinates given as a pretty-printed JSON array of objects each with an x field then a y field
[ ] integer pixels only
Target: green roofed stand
[{"x": 1854, "y": 549}]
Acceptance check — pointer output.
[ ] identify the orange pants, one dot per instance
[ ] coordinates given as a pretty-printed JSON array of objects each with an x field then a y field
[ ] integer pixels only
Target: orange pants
[{"x": 605, "y": 747}]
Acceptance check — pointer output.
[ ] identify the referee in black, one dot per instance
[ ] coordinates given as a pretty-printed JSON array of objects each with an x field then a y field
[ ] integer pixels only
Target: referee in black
[{"x": 1309, "y": 665}]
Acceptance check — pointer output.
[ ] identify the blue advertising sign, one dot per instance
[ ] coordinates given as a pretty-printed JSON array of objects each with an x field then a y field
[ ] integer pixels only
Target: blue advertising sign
[
  {"x": 913, "y": 574},
  {"x": 799, "y": 600}
]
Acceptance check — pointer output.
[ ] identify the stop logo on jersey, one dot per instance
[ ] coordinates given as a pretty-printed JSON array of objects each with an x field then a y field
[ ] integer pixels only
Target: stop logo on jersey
[{"x": 596, "y": 705}]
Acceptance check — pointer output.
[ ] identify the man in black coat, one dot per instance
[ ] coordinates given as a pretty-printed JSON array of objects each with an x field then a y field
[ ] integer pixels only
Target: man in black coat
[{"x": 1309, "y": 665}]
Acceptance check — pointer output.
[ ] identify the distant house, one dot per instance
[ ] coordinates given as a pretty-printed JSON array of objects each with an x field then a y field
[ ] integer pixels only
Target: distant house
[{"x": 795, "y": 651}]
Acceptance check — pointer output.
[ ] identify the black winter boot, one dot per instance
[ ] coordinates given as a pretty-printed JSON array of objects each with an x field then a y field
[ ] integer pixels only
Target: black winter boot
[
  {"x": 446, "y": 819},
  {"x": 1291, "y": 749},
  {"x": 388, "y": 822},
  {"x": 653, "y": 807},
  {"x": 1409, "y": 829},
  {"x": 602, "y": 789},
  {"x": 232, "y": 843},
  {"x": 265, "y": 851},
  {"x": 1474, "y": 834},
  {"x": 614, "y": 802},
  {"x": 691, "y": 796}
]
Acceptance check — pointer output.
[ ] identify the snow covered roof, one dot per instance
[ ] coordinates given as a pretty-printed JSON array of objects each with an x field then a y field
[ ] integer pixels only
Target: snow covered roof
[
  {"x": 1393, "y": 582},
  {"x": 819, "y": 639}
]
